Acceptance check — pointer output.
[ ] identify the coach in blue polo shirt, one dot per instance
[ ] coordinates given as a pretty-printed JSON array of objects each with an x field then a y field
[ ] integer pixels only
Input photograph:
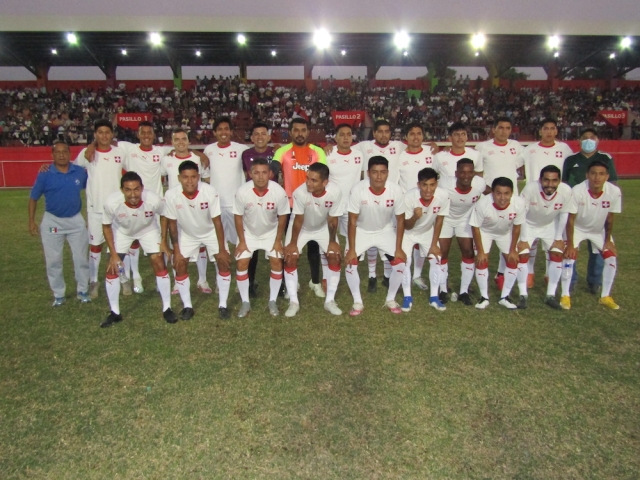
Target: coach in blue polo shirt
[{"x": 61, "y": 186}]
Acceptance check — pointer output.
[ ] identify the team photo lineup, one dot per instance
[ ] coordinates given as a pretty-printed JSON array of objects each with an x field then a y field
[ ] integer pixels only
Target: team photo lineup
[{"x": 402, "y": 202}]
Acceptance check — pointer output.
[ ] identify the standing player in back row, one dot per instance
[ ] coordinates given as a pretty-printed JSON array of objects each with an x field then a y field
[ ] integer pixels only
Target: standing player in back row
[{"x": 445, "y": 162}]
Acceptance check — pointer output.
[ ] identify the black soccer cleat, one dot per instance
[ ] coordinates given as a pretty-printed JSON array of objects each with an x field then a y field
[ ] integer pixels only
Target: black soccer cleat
[
  {"x": 186, "y": 313},
  {"x": 224, "y": 313},
  {"x": 385, "y": 282},
  {"x": 444, "y": 297},
  {"x": 111, "y": 319},
  {"x": 169, "y": 316},
  {"x": 465, "y": 298}
]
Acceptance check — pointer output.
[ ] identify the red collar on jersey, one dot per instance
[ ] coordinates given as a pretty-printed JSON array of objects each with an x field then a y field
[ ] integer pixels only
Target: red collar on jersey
[
  {"x": 463, "y": 192},
  {"x": 378, "y": 194},
  {"x": 146, "y": 149},
  {"x": 500, "y": 144},
  {"x": 132, "y": 207},
  {"x": 380, "y": 146},
  {"x": 183, "y": 158},
  {"x": 544, "y": 197},
  {"x": 498, "y": 208},
  {"x": 195, "y": 194},
  {"x": 547, "y": 146},
  {"x": 415, "y": 153},
  {"x": 223, "y": 146},
  {"x": 458, "y": 154},
  {"x": 321, "y": 195},
  {"x": 424, "y": 202},
  {"x": 344, "y": 153},
  {"x": 595, "y": 196},
  {"x": 260, "y": 194},
  {"x": 103, "y": 151}
]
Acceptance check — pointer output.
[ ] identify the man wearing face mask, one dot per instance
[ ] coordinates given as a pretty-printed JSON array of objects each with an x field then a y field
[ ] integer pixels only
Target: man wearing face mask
[{"x": 574, "y": 171}]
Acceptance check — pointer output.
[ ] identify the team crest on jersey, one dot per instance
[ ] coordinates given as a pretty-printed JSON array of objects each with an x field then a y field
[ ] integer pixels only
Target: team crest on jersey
[
  {"x": 328, "y": 204},
  {"x": 148, "y": 214},
  {"x": 392, "y": 150},
  {"x": 204, "y": 205},
  {"x": 117, "y": 159},
  {"x": 271, "y": 206},
  {"x": 357, "y": 160},
  {"x": 606, "y": 204},
  {"x": 436, "y": 209},
  {"x": 406, "y": 162},
  {"x": 156, "y": 158},
  {"x": 233, "y": 154},
  {"x": 513, "y": 151},
  {"x": 558, "y": 154},
  {"x": 557, "y": 206},
  {"x": 428, "y": 160},
  {"x": 475, "y": 199},
  {"x": 333, "y": 160},
  {"x": 512, "y": 216},
  {"x": 390, "y": 202},
  {"x": 179, "y": 207}
]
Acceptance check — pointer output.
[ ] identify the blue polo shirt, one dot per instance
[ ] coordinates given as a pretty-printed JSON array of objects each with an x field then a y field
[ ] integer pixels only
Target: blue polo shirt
[{"x": 61, "y": 190}]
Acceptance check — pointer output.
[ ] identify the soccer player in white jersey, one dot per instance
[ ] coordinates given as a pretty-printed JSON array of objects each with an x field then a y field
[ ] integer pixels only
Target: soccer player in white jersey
[
  {"x": 536, "y": 156},
  {"x": 497, "y": 217},
  {"x": 464, "y": 190},
  {"x": 169, "y": 167},
  {"x": 500, "y": 156},
  {"x": 132, "y": 215},
  {"x": 227, "y": 176},
  {"x": 547, "y": 202},
  {"x": 412, "y": 160},
  {"x": 445, "y": 162},
  {"x": 192, "y": 209},
  {"x": 593, "y": 204},
  {"x": 317, "y": 206},
  {"x": 104, "y": 169},
  {"x": 373, "y": 204},
  {"x": 261, "y": 210},
  {"x": 425, "y": 209}
]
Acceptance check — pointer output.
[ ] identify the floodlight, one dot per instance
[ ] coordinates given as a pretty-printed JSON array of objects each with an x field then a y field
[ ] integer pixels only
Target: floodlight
[
  {"x": 553, "y": 42},
  {"x": 405, "y": 53},
  {"x": 198, "y": 53},
  {"x": 72, "y": 39},
  {"x": 478, "y": 41},
  {"x": 322, "y": 39},
  {"x": 155, "y": 38},
  {"x": 124, "y": 51},
  {"x": 477, "y": 54},
  {"x": 556, "y": 54},
  {"x": 273, "y": 53},
  {"x": 401, "y": 40},
  {"x": 343, "y": 52},
  {"x": 612, "y": 56},
  {"x": 54, "y": 51},
  {"x": 625, "y": 42},
  {"x": 242, "y": 39}
]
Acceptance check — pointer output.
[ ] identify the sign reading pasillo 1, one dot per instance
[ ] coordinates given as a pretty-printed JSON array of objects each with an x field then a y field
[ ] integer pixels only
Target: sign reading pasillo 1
[{"x": 131, "y": 120}]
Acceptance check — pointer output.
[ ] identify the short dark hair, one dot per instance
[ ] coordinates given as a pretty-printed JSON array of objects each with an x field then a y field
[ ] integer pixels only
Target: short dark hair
[
  {"x": 377, "y": 160},
  {"x": 188, "y": 165},
  {"x": 456, "y": 127},
  {"x": 299, "y": 120},
  {"x": 179, "y": 130},
  {"x": 343, "y": 125},
  {"x": 427, "y": 174},
  {"x": 502, "y": 119},
  {"x": 260, "y": 161},
  {"x": 464, "y": 161},
  {"x": 321, "y": 169},
  {"x": 258, "y": 125},
  {"x": 589, "y": 130},
  {"x": 62, "y": 142},
  {"x": 221, "y": 120},
  {"x": 597, "y": 163},
  {"x": 501, "y": 182},
  {"x": 381, "y": 123},
  {"x": 102, "y": 122},
  {"x": 130, "y": 177},
  {"x": 145, "y": 123},
  {"x": 549, "y": 120},
  {"x": 550, "y": 169},
  {"x": 413, "y": 125}
]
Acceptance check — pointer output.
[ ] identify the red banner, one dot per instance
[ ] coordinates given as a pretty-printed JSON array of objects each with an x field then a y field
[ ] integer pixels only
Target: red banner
[
  {"x": 614, "y": 117},
  {"x": 131, "y": 120},
  {"x": 353, "y": 118}
]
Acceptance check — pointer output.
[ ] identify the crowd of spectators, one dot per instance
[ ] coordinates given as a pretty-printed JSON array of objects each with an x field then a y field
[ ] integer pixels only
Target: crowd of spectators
[{"x": 30, "y": 116}]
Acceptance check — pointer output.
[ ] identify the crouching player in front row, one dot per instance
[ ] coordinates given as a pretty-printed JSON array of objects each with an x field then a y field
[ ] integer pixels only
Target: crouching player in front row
[
  {"x": 593, "y": 203},
  {"x": 192, "y": 209},
  {"x": 497, "y": 217},
  {"x": 374, "y": 203},
  {"x": 131, "y": 215},
  {"x": 425, "y": 209}
]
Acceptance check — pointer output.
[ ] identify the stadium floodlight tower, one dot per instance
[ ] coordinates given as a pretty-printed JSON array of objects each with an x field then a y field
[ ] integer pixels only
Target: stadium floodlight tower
[
  {"x": 72, "y": 38},
  {"x": 322, "y": 39},
  {"x": 478, "y": 41},
  {"x": 402, "y": 40},
  {"x": 554, "y": 42},
  {"x": 241, "y": 39},
  {"x": 625, "y": 42},
  {"x": 155, "y": 38}
]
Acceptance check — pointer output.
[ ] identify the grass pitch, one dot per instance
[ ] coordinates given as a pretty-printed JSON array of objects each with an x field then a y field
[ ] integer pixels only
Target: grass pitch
[{"x": 455, "y": 394}]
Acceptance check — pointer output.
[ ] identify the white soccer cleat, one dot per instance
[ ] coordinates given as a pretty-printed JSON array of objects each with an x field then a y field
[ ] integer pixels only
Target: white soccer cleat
[
  {"x": 292, "y": 310},
  {"x": 332, "y": 308},
  {"x": 137, "y": 285},
  {"x": 505, "y": 302},
  {"x": 317, "y": 289},
  {"x": 204, "y": 287},
  {"x": 419, "y": 282},
  {"x": 482, "y": 303}
]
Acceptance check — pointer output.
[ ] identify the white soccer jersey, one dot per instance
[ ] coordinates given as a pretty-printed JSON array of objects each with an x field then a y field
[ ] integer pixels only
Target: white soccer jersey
[
  {"x": 536, "y": 157},
  {"x": 446, "y": 163},
  {"x": 169, "y": 166},
  {"x": 193, "y": 214},
  {"x": 461, "y": 204},
  {"x": 260, "y": 212},
  {"x": 146, "y": 163},
  {"x": 345, "y": 171},
  {"x": 494, "y": 221},
  {"x": 591, "y": 212},
  {"x": 225, "y": 165},
  {"x": 105, "y": 172},
  {"x": 391, "y": 151},
  {"x": 410, "y": 165},
  {"x": 133, "y": 221},
  {"x": 497, "y": 160},
  {"x": 376, "y": 212},
  {"x": 316, "y": 209},
  {"x": 439, "y": 206},
  {"x": 542, "y": 211}
]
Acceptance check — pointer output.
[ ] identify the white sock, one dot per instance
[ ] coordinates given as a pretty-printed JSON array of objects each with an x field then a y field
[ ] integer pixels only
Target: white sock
[
  {"x": 395, "y": 279},
  {"x": 291, "y": 282},
  {"x": 387, "y": 268},
  {"x": 134, "y": 258},
  {"x": 406, "y": 277},
  {"x": 372, "y": 259},
  {"x": 184, "y": 289},
  {"x": 94, "y": 264},
  {"x": 325, "y": 266},
  {"x": 567, "y": 273},
  {"x": 201, "y": 264},
  {"x": 126, "y": 263},
  {"x": 523, "y": 272},
  {"x": 224, "y": 285},
  {"x": 242, "y": 279},
  {"x": 275, "y": 281},
  {"x": 418, "y": 263},
  {"x": 112, "y": 286},
  {"x": 482, "y": 277},
  {"x": 533, "y": 252},
  {"x": 555, "y": 273},
  {"x": 502, "y": 264},
  {"x": 444, "y": 276},
  {"x": 466, "y": 275},
  {"x": 510, "y": 277},
  {"x": 608, "y": 274},
  {"x": 164, "y": 287},
  {"x": 353, "y": 281},
  {"x": 333, "y": 278},
  {"x": 434, "y": 276}
]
